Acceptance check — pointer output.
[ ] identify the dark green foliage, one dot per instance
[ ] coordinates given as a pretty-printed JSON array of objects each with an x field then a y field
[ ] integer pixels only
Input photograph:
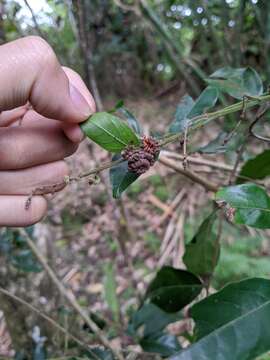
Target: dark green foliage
[
  {"x": 121, "y": 178},
  {"x": 238, "y": 314},
  {"x": 163, "y": 344},
  {"x": 17, "y": 252},
  {"x": 256, "y": 168},
  {"x": 147, "y": 325},
  {"x": 172, "y": 289},
  {"x": 202, "y": 253}
]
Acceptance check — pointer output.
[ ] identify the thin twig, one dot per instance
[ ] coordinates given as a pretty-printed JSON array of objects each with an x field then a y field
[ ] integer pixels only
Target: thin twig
[
  {"x": 257, "y": 118},
  {"x": 37, "y": 27},
  {"x": 209, "y": 186},
  {"x": 198, "y": 161},
  {"x": 47, "y": 318},
  {"x": 69, "y": 296}
]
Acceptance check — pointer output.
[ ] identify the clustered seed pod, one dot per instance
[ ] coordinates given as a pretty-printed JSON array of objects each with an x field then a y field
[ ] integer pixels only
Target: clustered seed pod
[{"x": 140, "y": 160}]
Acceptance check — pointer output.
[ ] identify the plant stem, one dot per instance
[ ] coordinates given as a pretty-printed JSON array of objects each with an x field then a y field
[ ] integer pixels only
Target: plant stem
[
  {"x": 69, "y": 296},
  {"x": 191, "y": 175},
  {"x": 201, "y": 120},
  {"x": 46, "y": 317}
]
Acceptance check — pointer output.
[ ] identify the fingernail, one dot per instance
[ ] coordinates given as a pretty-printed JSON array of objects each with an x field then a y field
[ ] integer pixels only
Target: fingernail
[{"x": 80, "y": 102}]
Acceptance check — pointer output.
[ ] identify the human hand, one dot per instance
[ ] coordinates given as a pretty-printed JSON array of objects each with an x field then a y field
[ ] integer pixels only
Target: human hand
[{"x": 41, "y": 104}]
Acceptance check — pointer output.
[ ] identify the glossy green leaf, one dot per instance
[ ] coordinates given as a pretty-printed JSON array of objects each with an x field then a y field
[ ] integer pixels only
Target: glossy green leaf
[
  {"x": 202, "y": 253},
  {"x": 237, "y": 82},
  {"x": 251, "y": 204},
  {"x": 110, "y": 132},
  {"x": 172, "y": 289},
  {"x": 187, "y": 109},
  {"x": 152, "y": 319},
  {"x": 232, "y": 324},
  {"x": 256, "y": 168},
  {"x": 161, "y": 343},
  {"x": 180, "y": 119},
  {"x": 120, "y": 177}
]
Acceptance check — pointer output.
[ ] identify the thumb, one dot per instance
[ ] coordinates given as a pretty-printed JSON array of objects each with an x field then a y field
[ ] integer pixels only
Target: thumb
[{"x": 30, "y": 71}]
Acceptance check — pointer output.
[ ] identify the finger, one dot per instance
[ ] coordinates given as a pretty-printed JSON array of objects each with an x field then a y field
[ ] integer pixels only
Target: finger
[
  {"x": 73, "y": 131},
  {"x": 33, "y": 144},
  {"x": 13, "y": 212},
  {"x": 10, "y": 116},
  {"x": 38, "y": 178},
  {"x": 29, "y": 70}
]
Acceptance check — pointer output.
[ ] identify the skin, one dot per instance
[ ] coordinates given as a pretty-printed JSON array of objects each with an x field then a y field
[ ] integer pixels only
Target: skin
[{"x": 41, "y": 105}]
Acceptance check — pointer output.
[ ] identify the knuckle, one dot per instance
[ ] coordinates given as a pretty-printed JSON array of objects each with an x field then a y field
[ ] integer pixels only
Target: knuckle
[{"x": 43, "y": 50}]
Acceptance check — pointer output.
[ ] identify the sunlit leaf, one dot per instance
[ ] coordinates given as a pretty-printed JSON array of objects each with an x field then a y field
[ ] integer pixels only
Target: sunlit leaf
[{"x": 109, "y": 131}]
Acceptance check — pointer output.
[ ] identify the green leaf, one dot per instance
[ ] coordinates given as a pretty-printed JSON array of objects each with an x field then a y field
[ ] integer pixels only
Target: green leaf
[
  {"x": 227, "y": 72},
  {"x": 24, "y": 260},
  {"x": 110, "y": 132},
  {"x": 110, "y": 291},
  {"x": 161, "y": 343},
  {"x": 172, "y": 289},
  {"x": 237, "y": 82},
  {"x": 223, "y": 143},
  {"x": 120, "y": 177},
  {"x": 215, "y": 146},
  {"x": 100, "y": 353},
  {"x": 152, "y": 319},
  {"x": 205, "y": 101},
  {"x": 180, "y": 119},
  {"x": 251, "y": 202},
  {"x": 131, "y": 119},
  {"x": 232, "y": 324},
  {"x": 187, "y": 109},
  {"x": 256, "y": 168},
  {"x": 202, "y": 253}
]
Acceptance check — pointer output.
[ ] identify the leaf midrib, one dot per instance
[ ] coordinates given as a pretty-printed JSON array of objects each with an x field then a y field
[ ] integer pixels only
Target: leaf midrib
[
  {"x": 110, "y": 134},
  {"x": 241, "y": 317}
]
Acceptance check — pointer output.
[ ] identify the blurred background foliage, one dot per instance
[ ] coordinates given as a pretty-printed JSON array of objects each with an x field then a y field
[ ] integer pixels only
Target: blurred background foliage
[{"x": 139, "y": 45}]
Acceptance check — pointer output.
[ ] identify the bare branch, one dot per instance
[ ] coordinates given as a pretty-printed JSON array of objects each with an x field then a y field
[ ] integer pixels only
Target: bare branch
[{"x": 69, "y": 296}]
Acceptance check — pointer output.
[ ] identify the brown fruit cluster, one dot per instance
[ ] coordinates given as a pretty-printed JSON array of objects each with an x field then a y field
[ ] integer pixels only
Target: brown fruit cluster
[{"x": 141, "y": 159}]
